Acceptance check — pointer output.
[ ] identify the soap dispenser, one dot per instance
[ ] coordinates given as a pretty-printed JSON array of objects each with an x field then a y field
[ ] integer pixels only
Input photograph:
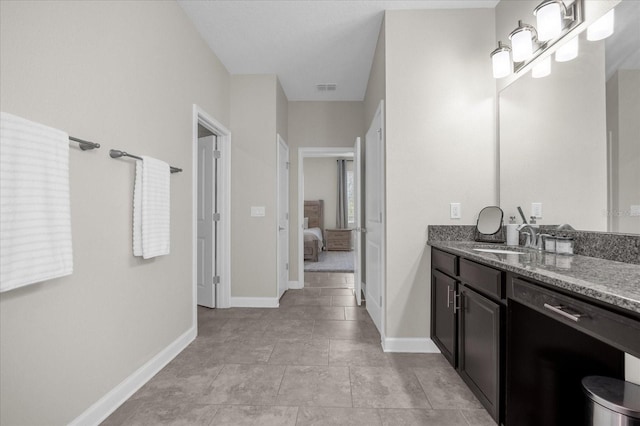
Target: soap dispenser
[{"x": 513, "y": 236}]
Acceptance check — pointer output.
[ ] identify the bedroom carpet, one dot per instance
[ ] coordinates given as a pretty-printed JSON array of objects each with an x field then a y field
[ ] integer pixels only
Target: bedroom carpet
[{"x": 331, "y": 261}]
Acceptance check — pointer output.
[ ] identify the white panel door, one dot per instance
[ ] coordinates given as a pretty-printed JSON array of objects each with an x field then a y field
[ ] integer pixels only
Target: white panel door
[
  {"x": 206, "y": 224},
  {"x": 357, "y": 186},
  {"x": 283, "y": 216},
  {"x": 374, "y": 219}
]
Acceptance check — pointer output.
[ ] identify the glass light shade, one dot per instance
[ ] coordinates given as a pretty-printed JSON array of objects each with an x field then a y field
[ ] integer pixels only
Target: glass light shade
[
  {"x": 568, "y": 51},
  {"x": 522, "y": 45},
  {"x": 602, "y": 28},
  {"x": 549, "y": 21},
  {"x": 502, "y": 65},
  {"x": 542, "y": 69}
]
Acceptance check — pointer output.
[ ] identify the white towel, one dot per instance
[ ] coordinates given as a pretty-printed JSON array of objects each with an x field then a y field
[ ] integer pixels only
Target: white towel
[
  {"x": 151, "y": 208},
  {"x": 35, "y": 214}
]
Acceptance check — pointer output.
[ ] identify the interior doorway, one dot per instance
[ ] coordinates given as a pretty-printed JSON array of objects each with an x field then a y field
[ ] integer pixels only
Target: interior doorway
[
  {"x": 328, "y": 231},
  {"x": 211, "y": 196}
]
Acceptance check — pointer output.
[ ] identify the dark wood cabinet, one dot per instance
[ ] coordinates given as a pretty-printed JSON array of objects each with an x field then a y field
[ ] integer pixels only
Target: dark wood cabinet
[
  {"x": 479, "y": 334},
  {"x": 443, "y": 314},
  {"x": 467, "y": 316}
]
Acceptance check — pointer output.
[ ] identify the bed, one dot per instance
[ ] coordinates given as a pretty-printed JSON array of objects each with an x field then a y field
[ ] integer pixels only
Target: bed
[{"x": 314, "y": 231}]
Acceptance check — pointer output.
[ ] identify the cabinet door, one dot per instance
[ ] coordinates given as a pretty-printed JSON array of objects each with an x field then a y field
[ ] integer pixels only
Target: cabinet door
[
  {"x": 443, "y": 318},
  {"x": 479, "y": 355}
]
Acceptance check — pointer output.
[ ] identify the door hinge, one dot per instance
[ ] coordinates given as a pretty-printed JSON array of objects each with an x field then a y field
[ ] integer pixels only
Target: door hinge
[
  {"x": 216, "y": 279},
  {"x": 286, "y": 216},
  {"x": 216, "y": 154},
  {"x": 288, "y": 164},
  {"x": 380, "y": 300},
  {"x": 287, "y": 266},
  {"x": 216, "y": 217}
]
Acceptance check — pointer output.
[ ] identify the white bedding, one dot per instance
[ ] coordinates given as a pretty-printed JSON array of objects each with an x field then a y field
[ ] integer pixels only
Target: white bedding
[{"x": 315, "y": 232}]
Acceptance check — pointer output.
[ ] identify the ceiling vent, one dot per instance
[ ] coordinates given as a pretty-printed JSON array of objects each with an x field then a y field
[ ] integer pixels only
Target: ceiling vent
[{"x": 326, "y": 87}]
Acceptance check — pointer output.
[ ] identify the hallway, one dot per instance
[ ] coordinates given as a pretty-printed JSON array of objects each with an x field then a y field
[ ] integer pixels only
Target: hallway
[{"x": 315, "y": 360}]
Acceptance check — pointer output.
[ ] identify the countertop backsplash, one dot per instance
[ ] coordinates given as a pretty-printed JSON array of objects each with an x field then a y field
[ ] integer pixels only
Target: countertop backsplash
[{"x": 602, "y": 245}]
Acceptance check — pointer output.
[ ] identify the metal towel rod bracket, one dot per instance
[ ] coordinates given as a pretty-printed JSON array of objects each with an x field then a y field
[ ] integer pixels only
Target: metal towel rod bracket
[
  {"x": 85, "y": 145},
  {"x": 116, "y": 153}
]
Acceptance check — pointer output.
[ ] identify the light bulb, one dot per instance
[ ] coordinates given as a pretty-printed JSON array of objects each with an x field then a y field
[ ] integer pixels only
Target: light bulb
[
  {"x": 542, "y": 68},
  {"x": 522, "y": 46},
  {"x": 568, "y": 51},
  {"x": 548, "y": 20},
  {"x": 502, "y": 65},
  {"x": 602, "y": 28}
]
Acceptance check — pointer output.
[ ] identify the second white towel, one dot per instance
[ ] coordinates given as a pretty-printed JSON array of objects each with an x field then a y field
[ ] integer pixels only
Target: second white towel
[{"x": 151, "y": 208}]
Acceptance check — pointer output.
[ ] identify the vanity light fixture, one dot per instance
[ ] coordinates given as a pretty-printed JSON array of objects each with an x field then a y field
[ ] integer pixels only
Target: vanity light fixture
[
  {"x": 555, "y": 19},
  {"x": 542, "y": 68},
  {"x": 522, "y": 39},
  {"x": 501, "y": 61},
  {"x": 569, "y": 51},
  {"x": 602, "y": 28}
]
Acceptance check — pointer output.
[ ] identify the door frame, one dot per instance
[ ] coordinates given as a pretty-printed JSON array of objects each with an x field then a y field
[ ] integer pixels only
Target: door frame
[
  {"x": 223, "y": 289},
  {"x": 312, "y": 152},
  {"x": 282, "y": 143}
]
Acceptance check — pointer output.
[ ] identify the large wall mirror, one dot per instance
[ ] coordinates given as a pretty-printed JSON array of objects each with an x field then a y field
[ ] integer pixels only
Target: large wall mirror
[{"x": 571, "y": 140}]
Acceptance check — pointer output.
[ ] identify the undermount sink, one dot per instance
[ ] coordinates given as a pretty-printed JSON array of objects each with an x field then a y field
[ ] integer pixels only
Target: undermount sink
[{"x": 499, "y": 251}]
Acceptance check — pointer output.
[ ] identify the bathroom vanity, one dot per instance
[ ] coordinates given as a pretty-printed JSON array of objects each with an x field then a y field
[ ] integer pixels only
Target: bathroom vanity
[{"x": 522, "y": 327}]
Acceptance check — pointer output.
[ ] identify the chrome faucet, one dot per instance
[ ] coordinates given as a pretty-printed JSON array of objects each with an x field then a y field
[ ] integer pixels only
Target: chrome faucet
[{"x": 533, "y": 237}]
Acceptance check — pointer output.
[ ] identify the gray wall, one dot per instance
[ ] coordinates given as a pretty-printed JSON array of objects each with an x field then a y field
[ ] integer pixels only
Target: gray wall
[
  {"x": 320, "y": 183},
  {"x": 254, "y": 125},
  {"x": 439, "y": 144},
  {"x": 101, "y": 72}
]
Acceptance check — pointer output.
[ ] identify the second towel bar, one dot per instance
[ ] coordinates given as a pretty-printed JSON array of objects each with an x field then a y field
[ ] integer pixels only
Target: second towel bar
[{"x": 116, "y": 153}]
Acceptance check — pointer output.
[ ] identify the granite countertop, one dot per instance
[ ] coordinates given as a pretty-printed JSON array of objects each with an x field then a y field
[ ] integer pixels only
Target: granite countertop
[{"x": 607, "y": 281}]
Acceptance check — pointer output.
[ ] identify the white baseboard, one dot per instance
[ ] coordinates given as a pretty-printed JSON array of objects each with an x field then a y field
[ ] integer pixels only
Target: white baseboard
[
  {"x": 255, "y": 302},
  {"x": 295, "y": 285},
  {"x": 408, "y": 344},
  {"x": 106, "y": 405}
]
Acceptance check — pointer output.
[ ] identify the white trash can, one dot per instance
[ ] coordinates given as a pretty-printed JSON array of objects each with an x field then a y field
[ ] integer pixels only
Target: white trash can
[{"x": 611, "y": 402}]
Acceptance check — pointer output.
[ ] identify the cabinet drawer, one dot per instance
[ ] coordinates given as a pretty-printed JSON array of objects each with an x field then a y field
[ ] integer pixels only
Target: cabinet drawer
[
  {"x": 482, "y": 278},
  {"x": 604, "y": 325},
  {"x": 445, "y": 262}
]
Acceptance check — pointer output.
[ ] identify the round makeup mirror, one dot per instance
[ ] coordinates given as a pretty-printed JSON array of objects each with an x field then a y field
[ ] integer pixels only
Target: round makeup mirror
[{"x": 489, "y": 225}]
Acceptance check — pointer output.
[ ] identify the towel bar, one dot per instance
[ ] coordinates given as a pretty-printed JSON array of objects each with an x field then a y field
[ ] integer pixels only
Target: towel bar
[{"x": 116, "y": 153}]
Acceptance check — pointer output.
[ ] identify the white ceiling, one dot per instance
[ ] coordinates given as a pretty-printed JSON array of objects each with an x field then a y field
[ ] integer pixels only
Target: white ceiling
[{"x": 303, "y": 42}]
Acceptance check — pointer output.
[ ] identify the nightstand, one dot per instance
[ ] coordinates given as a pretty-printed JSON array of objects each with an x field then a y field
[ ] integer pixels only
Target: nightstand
[{"x": 339, "y": 239}]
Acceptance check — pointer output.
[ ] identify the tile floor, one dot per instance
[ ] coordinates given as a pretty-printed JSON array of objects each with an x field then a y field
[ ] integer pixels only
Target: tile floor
[{"x": 316, "y": 360}]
